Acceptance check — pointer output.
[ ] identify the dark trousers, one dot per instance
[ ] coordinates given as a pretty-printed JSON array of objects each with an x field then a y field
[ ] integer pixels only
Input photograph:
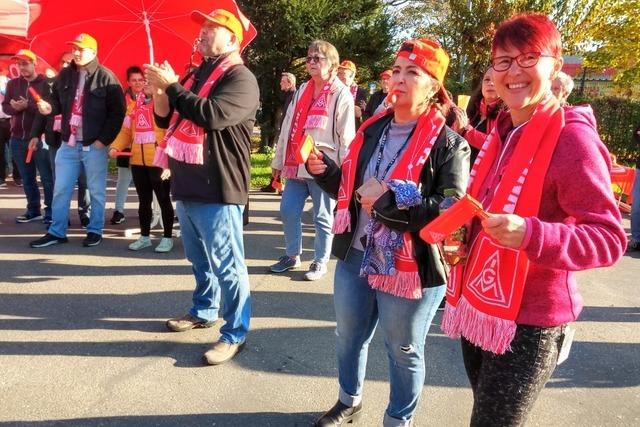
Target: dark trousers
[
  {"x": 505, "y": 387},
  {"x": 5, "y": 135},
  {"x": 147, "y": 181}
]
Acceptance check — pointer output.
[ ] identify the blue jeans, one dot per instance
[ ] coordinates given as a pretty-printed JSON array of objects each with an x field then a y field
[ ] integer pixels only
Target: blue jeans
[
  {"x": 405, "y": 324},
  {"x": 69, "y": 163},
  {"x": 122, "y": 187},
  {"x": 28, "y": 172},
  {"x": 84, "y": 199},
  {"x": 212, "y": 238},
  {"x": 295, "y": 194},
  {"x": 635, "y": 209}
]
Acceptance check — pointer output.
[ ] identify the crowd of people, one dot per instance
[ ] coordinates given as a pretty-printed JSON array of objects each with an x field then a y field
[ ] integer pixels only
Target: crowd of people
[{"x": 377, "y": 173}]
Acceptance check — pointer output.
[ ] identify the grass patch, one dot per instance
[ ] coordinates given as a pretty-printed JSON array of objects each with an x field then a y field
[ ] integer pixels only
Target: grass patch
[{"x": 260, "y": 170}]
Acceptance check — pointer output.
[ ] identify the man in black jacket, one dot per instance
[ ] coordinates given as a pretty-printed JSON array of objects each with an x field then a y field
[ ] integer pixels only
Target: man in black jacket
[
  {"x": 91, "y": 102},
  {"x": 20, "y": 103},
  {"x": 378, "y": 97},
  {"x": 207, "y": 147}
]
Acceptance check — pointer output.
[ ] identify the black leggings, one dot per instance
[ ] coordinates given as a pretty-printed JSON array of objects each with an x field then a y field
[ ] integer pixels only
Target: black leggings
[
  {"x": 506, "y": 387},
  {"x": 147, "y": 181}
]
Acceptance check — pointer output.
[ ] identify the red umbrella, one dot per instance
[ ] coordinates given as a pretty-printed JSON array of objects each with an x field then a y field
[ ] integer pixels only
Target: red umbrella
[
  {"x": 128, "y": 32},
  {"x": 9, "y": 46}
]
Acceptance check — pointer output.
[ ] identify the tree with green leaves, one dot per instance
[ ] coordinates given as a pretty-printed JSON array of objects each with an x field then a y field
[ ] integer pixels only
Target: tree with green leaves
[
  {"x": 465, "y": 28},
  {"x": 361, "y": 30}
]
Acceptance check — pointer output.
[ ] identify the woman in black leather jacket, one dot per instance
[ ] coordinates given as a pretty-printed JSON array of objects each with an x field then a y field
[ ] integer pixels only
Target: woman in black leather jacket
[{"x": 388, "y": 188}]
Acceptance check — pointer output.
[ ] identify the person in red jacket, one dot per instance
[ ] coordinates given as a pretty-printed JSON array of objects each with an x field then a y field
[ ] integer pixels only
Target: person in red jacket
[{"x": 543, "y": 175}]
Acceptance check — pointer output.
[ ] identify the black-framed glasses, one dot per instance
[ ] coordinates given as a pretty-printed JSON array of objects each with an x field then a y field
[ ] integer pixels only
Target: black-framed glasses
[
  {"x": 315, "y": 59},
  {"x": 525, "y": 60}
]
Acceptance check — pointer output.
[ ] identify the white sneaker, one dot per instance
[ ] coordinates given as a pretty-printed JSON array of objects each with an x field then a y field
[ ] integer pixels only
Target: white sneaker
[
  {"x": 141, "y": 243},
  {"x": 166, "y": 244}
]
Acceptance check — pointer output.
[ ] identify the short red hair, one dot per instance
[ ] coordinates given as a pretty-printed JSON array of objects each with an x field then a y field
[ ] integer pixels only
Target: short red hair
[{"x": 529, "y": 32}]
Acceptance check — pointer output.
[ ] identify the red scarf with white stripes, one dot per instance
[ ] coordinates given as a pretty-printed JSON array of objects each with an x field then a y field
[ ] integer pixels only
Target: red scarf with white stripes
[
  {"x": 142, "y": 117},
  {"x": 76, "y": 114},
  {"x": 406, "y": 282},
  {"x": 308, "y": 114},
  {"x": 185, "y": 141},
  {"x": 484, "y": 294}
]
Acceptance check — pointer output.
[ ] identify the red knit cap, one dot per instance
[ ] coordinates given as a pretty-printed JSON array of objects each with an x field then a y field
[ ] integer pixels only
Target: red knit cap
[{"x": 426, "y": 54}]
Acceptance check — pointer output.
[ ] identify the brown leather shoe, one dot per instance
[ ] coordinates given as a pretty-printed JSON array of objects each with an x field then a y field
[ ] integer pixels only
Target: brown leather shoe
[
  {"x": 222, "y": 351},
  {"x": 187, "y": 322}
]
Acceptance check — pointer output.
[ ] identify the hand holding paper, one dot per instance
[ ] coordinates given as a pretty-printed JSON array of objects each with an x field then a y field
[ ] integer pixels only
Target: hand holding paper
[{"x": 452, "y": 219}]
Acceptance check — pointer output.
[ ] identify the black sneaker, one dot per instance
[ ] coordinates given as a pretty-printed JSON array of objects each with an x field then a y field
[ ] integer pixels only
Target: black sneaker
[
  {"x": 28, "y": 217},
  {"x": 48, "y": 240},
  {"x": 47, "y": 220},
  {"x": 117, "y": 218},
  {"x": 92, "y": 239},
  {"x": 633, "y": 246},
  {"x": 84, "y": 220}
]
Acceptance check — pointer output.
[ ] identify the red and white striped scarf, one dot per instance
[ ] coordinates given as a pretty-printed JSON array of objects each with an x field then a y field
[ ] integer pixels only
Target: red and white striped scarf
[
  {"x": 142, "y": 117},
  {"x": 484, "y": 294},
  {"x": 76, "y": 113},
  {"x": 406, "y": 282},
  {"x": 307, "y": 115},
  {"x": 184, "y": 141}
]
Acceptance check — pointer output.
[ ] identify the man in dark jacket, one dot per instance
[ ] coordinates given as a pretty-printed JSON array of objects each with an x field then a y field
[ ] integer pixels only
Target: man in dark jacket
[
  {"x": 378, "y": 97},
  {"x": 20, "y": 104},
  {"x": 91, "y": 102},
  {"x": 210, "y": 121}
]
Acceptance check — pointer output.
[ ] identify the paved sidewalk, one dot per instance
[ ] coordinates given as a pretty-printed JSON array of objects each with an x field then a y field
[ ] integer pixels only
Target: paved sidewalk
[{"x": 83, "y": 342}]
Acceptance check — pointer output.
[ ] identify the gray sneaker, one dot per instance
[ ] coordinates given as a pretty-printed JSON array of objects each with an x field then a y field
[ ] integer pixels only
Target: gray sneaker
[
  {"x": 316, "y": 271},
  {"x": 285, "y": 263}
]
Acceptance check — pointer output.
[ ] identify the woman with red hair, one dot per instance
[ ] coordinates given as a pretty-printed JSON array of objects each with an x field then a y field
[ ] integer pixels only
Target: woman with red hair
[{"x": 543, "y": 175}]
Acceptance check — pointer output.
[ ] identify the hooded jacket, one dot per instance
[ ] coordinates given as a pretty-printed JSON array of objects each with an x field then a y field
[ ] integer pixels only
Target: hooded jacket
[{"x": 578, "y": 226}]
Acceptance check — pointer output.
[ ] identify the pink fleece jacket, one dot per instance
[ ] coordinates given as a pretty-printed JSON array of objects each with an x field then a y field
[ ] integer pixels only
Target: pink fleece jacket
[{"x": 578, "y": 226}]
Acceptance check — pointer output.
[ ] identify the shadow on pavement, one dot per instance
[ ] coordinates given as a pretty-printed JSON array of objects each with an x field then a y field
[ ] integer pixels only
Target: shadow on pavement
[{"x": 262, "y": 419}]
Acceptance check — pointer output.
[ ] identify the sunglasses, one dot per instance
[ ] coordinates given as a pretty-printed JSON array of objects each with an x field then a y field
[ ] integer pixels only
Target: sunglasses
[{"x": 315, "y": 59}]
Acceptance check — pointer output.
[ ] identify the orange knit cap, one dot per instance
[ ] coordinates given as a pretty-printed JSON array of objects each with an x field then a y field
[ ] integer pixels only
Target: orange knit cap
[{"x": 426, "y": 54}]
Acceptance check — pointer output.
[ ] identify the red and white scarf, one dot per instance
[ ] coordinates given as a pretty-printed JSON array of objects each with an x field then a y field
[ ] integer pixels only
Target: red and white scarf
[
  {"x": 354, "y": 91},
  {"x": 484, "y": 294},
  {"x": 76, "y": 114},
  {"x": 142, "y": 117},
  {"x": 308, "y": 114},
  {"x": 57, "y": 123},
  {"x": 406, "y": 282},
  {"x": 185, "y": 142}
]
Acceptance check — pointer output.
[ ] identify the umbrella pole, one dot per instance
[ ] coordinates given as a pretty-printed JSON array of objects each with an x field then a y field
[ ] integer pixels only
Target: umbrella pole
[{"x": 147, "y": 28}]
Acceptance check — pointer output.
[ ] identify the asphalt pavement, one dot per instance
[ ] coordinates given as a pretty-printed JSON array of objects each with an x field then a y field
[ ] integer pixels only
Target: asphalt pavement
[{"x": 83, "y": 341}]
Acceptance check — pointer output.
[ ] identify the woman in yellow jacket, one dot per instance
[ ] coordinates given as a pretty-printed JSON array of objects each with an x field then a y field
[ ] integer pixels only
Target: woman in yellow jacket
[{"x": 140, "y": 134}]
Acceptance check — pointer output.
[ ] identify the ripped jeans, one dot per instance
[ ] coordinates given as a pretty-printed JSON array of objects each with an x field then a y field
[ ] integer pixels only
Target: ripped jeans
[{"x": 405, "y": 324}]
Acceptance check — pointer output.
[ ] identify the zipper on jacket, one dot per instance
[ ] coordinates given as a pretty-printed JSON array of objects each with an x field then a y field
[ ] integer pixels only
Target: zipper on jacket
[{"x": 399, "y": 221}]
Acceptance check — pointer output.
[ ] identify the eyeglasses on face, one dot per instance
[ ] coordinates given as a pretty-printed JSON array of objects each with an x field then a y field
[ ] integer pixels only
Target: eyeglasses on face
[
  {"x": 525, "y": 60},
  {"x": 315, "y": 59}
]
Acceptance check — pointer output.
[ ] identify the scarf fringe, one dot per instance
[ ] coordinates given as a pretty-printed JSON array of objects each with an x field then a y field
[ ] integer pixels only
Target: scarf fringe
[
  {"x": 450, "y": 322},
  {"x": 290, "y": 172},
  {"x": 316, "y": 122},
  {"x": 160, "y": 158},
  {"x": 76, "y": 120},
  {"x": 488, "y": 332},
  {"x": 403, "y": 284},
  {"x": 57, "y": 123},
  {"x": 342, "y": 221},
  {"x": 126, "y": 122},
  {"x": 184, "y": 152},
  {"x": 144, "y": 137}
]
